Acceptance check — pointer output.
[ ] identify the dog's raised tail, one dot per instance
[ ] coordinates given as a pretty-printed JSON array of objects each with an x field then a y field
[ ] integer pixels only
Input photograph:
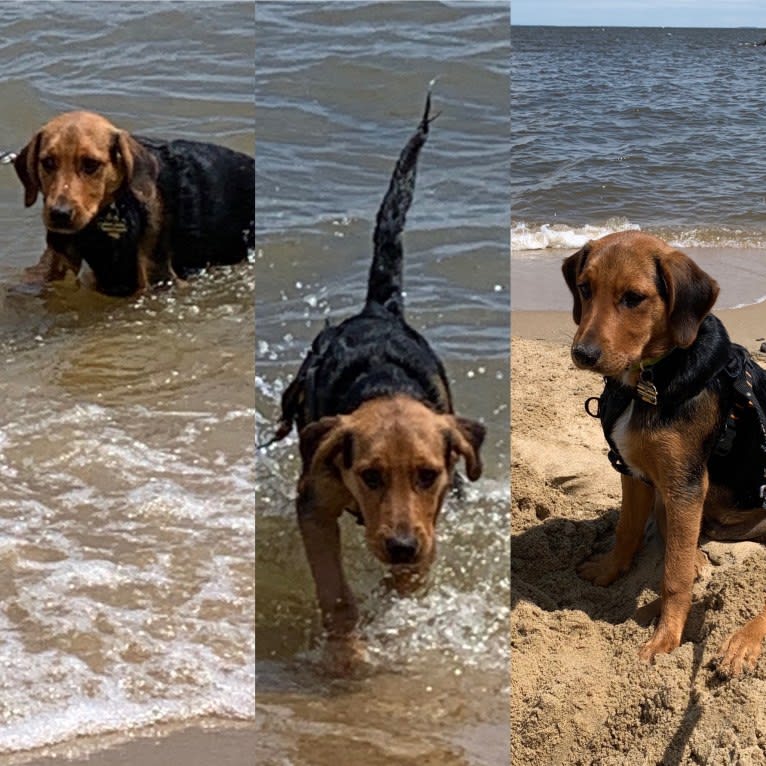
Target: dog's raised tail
[{"x": 385, "y": 283}]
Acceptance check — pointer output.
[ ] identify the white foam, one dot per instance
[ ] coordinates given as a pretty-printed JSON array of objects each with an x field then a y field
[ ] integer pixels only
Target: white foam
[
  {"x": 130, "y": 563},
  {"x": 532, "y": 237},
  {"x": 560, "y": 236}
]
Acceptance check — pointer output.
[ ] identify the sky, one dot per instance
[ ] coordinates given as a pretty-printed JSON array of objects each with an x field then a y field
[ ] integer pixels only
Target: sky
[{"x": 640, "y": 13}]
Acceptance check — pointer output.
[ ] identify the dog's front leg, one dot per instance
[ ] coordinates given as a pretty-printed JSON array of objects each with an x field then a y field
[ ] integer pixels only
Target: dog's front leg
[
  {"x": 51, "y": 267},
  {"x": 321, "y": 540},
  {"x": 683, "y": 511},
  {"x": 637, "y": 504}
]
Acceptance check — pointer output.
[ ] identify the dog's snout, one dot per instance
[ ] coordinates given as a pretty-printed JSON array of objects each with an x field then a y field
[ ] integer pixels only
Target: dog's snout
[
  {"x": 586, "y": 356},
  {"x": 402, "y": 549},
  {"x": 60, "y": 215}
]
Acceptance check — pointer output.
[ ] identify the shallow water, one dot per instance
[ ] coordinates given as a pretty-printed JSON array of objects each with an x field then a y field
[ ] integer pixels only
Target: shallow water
[
  {"x": 340, "y": 88},
  {"x": 126, "y": 527}
]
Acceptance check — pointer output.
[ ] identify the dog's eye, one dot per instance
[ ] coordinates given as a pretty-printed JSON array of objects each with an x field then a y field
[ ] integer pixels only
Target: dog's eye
[
  {"x": 48, "y": 164},
  {"x": 425, "y": 477},
  {"x": 585, "y": 291},
  {"x": 372, "y": 478},
  {"x": 90, "y": 166},
  {"x": 631, "y": 299}
]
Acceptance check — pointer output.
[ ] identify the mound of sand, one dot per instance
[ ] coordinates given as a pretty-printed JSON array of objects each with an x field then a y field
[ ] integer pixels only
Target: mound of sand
[{"x": 580, "y": 695}]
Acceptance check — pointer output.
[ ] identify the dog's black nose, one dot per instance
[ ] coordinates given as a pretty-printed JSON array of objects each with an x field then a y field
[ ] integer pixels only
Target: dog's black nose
[
  {"x": 61, "y": 215},
  {"x": 402, "y": 550},
  {"x": 585, "y": 356}
]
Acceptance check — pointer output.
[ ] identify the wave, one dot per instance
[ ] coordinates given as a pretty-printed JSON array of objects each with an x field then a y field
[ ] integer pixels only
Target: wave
[
  {"x": 530, "y": 237},
  {"x": 561, "y": 236}
]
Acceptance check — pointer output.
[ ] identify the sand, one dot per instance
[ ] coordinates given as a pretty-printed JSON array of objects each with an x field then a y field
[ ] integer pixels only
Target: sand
[{"x": 580, "y": 695}]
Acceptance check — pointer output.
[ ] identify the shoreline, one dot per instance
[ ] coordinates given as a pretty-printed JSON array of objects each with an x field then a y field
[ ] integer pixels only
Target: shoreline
[{"x": 201, "y": 743}]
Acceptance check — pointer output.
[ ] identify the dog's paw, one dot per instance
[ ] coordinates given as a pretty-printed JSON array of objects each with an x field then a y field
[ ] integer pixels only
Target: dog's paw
[
  {"x": 600, "y": 570},
  {"x": 344, "y": 656},
  {"x": 740, "y": 652},
  {"x": 662, "y": 642}
]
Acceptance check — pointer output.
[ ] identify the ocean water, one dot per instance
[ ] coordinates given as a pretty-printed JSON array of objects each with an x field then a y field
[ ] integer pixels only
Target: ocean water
[
  {"x": 126, "y": 455},
  {"x": 652, "y": 129},
  {"x": 340, "y": 87}
]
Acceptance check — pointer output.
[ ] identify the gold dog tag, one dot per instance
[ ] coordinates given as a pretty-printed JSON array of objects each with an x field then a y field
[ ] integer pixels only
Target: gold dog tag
[
  {"x": 112, "y": 225},
  {"x": 646, "y": 390}
]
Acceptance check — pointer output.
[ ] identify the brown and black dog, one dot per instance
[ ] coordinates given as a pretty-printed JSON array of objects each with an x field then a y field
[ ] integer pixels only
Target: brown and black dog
[
  {"x": 378, "y": 434},
  {"x": 139, "y": 212},
  {"x": 683, "y": 413}
]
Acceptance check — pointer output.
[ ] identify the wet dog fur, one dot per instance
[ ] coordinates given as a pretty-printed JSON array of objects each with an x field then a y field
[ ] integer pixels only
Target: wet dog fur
[
  {"x": 637, "y": 301},
  {"x": 139, "y": 212},
  {"x": 378, "y": 434}
]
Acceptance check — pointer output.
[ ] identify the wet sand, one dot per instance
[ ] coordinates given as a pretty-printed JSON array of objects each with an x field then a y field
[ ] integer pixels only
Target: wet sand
[
  {"x": 746, "y": 325},
  {"x": 223, "y": 745},
  {"x": 579, "y": 693},
  {"x": 537, "y": 284}
]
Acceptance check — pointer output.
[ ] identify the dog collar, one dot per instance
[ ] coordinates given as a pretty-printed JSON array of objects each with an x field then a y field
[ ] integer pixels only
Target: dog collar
[
  {"x": 111, "y": 223},
  {"x": 650, "y": 362}
]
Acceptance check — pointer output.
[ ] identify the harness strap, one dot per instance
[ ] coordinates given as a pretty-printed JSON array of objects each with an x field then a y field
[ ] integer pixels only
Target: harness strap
[{"x": 743, "y": 386}]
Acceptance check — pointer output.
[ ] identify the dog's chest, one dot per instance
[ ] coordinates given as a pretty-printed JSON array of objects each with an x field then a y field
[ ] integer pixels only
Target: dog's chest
[{"x": 625, "y": 442}]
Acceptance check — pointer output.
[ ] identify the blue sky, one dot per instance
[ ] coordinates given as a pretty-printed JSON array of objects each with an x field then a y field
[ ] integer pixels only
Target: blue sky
[{"x": 641, "y": 13}]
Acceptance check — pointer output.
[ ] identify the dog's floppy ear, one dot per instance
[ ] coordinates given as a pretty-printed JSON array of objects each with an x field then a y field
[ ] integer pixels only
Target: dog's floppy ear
[
  {"x": 571, "y": 268},
  {"x": 138, "y": 164},
  {"x": 323, "y": 441},
  {"x": 25, "y": 165},
  {"x": 465, "y": 438},
  {"x": 691, "y": 293}
]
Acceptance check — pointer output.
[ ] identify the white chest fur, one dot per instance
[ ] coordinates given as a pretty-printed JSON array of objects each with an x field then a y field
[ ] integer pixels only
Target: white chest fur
[{"x": 621, "y": 441}]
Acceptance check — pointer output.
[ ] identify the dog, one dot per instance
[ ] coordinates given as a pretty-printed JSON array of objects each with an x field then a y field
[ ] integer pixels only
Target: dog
[
  {"x": 377, "y": 430},
  {"x": 683, "y": 414},
  {"x": 139, "y": 212}
]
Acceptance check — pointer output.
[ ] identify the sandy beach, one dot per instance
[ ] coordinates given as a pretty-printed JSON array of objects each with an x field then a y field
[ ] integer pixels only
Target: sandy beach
[{"x": 580, "y": 695}]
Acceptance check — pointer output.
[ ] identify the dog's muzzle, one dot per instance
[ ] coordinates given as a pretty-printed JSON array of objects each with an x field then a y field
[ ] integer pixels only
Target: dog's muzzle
[{"x": 586, "y": 356}]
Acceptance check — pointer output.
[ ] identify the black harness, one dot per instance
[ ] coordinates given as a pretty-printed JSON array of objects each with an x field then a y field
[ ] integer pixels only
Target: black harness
[{"x": 733, "y": 459}]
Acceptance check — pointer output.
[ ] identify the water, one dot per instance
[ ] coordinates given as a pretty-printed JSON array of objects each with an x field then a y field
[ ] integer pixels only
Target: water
[
  {"x": 126, "y": 528},
  {"x": 655, "y": 129},
  {"x": 340, "y": 87}
]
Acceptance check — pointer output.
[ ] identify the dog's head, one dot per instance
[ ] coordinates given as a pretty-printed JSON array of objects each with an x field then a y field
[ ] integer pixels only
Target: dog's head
[
  {"x": 635, "y": 298},
  {"x": 78, "y": 161},
  {"x": 395, "y": 457}
]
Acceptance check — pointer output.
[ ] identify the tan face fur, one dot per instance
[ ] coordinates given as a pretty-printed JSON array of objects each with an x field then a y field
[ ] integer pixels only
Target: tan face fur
[
  {"x": 395, "y": 458},
  {"x": 635, "y": 299},
  {"x": 77, "y": 161}
]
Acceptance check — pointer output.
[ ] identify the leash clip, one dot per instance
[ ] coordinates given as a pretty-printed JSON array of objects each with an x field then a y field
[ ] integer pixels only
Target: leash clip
[{"x": 645, "y": 388}]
